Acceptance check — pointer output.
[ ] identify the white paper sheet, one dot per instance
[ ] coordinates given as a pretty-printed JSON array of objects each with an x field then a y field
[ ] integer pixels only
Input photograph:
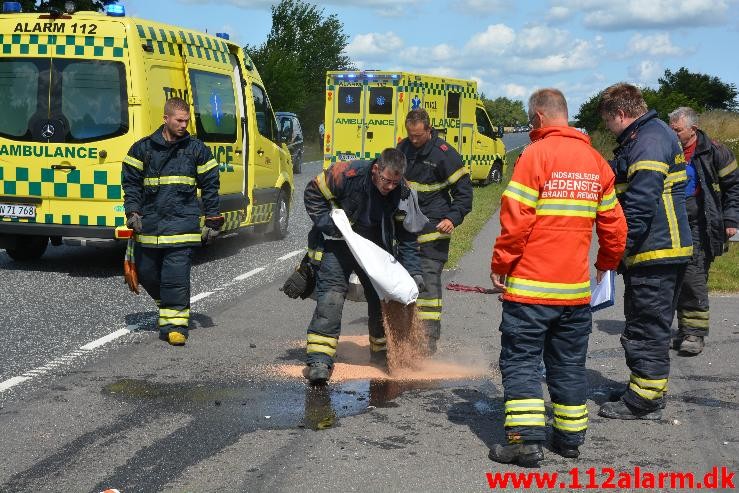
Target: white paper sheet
[{"x": 603, "y": 295}]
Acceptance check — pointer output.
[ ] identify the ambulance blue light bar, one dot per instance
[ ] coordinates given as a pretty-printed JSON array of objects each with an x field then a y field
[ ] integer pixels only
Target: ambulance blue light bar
[
  {"x": 115, "y": 10},
  {"x": 11, "y": 7},
  {"x": 225, "y": 36}
]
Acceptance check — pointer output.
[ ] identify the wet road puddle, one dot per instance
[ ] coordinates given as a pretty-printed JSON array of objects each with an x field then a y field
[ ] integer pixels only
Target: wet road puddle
[{"x": 273, "y": 404}]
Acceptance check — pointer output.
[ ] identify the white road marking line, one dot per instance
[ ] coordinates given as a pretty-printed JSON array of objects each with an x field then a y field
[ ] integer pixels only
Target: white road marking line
[
  {"x": 249, "y": 274},
  {"x": 105, "y": 340},
  {"x": 291, "y": 254},
  {"x": 200, "y": 296},
  {"x": 12, "y": 382}
]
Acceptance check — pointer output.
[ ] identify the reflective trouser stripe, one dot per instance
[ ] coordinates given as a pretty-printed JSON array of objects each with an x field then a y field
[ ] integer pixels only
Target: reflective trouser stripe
[
  {"x": 316, "y": 255},
  {"x": 179, "y": 318},
  {"x": 570, "y": 418},
  {"x": 428, "y": 302},
  {"x": 378, "y": 344},
  {"x": 648, "y": 389},
  {"x": 429, "y": 315},
  {"x": 524, "y": 412},
  {"x": 694, "y": 319},
  {"x": 322, "y": 344},
  {"x": 429, "y": 308}
]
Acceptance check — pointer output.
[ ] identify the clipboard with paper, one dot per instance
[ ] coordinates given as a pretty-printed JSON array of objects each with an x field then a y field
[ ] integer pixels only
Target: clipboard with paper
[{"x": 603, "y": 294}]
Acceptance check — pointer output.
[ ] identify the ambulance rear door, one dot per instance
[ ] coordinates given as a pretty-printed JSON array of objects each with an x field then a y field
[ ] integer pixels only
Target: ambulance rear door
[{"x": 380, "y": 109}]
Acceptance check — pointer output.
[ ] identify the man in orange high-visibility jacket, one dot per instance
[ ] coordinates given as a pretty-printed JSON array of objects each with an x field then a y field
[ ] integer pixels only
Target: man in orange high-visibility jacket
[{"x": 560, "y": 187}]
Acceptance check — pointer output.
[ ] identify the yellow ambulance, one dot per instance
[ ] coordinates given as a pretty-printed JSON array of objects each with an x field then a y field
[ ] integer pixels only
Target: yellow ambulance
[
  {"x": 77, "y": 89},
  {"x": 366, "y": 110}
]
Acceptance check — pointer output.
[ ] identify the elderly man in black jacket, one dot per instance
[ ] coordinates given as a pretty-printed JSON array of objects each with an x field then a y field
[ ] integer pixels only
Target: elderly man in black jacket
[
  {"x": 369, "y": 192},
  {"x": 712, "y": 203}
]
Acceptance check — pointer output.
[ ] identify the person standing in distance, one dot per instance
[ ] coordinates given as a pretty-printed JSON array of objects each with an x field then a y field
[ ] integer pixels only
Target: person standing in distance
[
  {"x": 161, "y": 175},
  {"x": 650, "y": 183},
  {"x": 561, "y": 187},
  {"x": 435, "y": 170},
  {"x": 712, "y": 203}
]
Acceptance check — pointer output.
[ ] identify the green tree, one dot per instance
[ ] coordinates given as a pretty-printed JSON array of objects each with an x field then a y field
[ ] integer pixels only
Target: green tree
[
  {"x": 45, "y": 5},
  {"x": 665, "y": 102},
  {"x": 301, "y": 47},
  {"x": 588, "y": 117},
  {"x": 504, "y": 111},
  {"x": 709, "y": 92}
]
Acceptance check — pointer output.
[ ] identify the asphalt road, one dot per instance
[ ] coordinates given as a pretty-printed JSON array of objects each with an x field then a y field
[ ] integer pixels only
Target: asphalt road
[{"x": 220, "y": 415}]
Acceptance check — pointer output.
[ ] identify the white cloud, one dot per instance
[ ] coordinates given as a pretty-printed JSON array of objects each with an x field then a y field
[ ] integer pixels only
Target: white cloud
[
  {"x": 516, "y": 91},
  {"x": 654, "y": 45},
  {"x": 559, "y": 13},
  {"x": 483, "y": 7},
  {"x": 385, "y": 8},
  {"x": 374, "y": 45},
  {"x": 636, "y": 14},
  {"x": 496, "y": 40},
  {"x": 540, "y": 39},
  {"x": 646, "y": 72}
]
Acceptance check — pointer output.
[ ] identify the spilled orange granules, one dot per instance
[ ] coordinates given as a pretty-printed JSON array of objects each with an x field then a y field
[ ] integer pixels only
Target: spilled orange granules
[
  {"x": 352, "y": 363},
  {"x": 406, "y": 336}
]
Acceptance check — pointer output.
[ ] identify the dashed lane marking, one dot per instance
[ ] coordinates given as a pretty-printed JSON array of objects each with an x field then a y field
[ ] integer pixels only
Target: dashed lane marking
[{"x": 97, "y": 343}]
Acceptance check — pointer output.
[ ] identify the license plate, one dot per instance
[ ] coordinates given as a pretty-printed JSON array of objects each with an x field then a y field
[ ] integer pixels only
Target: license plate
[
  {"x": 346, "y": 157},
  {"x": 18, "y": 210}
]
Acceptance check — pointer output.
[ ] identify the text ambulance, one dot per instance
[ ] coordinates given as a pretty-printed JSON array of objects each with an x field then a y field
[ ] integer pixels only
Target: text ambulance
[
  {"x": 365, "y": 113},
  {"x": 78, "y": 89}
]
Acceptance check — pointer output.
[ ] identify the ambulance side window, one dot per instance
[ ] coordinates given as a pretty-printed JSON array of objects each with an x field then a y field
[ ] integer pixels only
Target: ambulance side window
[
  {"x": 452, "y": 105},
  {"x": 483, "y": 123},
  {"x": 349, "y": 99},
  {"x": 381, "y": 101},
  {"x": 265, "y": 117},
  {"x": 215, "y": 106}
]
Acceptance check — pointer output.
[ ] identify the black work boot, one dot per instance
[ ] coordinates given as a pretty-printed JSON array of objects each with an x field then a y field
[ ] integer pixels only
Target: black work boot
[
  {"x": 378, "y": 358},
  {"x": 691, "y": 346},
  {"x": 565, "y": 450},
  {"x": 318, "y": 373},
  {"x": 621, "y": 410},
  {"x": 524, "y": 454}
]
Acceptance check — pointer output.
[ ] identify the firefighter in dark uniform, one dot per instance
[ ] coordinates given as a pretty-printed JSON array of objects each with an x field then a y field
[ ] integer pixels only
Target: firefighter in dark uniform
[
  {"x": 161, "y": 175},
  {"x": 650, "y": 182},
  {"x": 369, "y": 192},
  {"x": 712, "y": 202},
  {"x": 435, "y": 170}
]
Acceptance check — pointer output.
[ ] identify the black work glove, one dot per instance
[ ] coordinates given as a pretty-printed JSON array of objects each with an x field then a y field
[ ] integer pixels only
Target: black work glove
[
  {"x": 419, "y": 282},
  {"x": 212, "y": 229},
  {"x": 301, "y": 282},
  {"x": 134, "y": 222},
  {"x": 405, "y": 192}
]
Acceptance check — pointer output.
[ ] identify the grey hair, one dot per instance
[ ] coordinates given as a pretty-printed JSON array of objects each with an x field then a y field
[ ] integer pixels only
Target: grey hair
[
  {"x": 392, "y": 159},
  {"x": 549, "y": 101},
  {"x": 691, "y": 117}
]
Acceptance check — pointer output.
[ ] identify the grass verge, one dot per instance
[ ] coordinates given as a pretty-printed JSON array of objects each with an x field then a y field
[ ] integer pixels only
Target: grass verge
[
  {"x": 485, "y": 202},
  {"x": 724, "y": 274}
]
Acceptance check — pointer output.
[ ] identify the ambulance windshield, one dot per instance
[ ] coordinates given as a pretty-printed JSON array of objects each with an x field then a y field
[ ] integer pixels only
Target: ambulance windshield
[{"x": 62, "y": 100}]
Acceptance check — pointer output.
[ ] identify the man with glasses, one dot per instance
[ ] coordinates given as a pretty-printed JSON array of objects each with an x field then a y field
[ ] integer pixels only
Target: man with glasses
[
  {"x": 712, "y": 203},
  {"x": 435, "y": 170},
  {"x": 370, "y": 193}
]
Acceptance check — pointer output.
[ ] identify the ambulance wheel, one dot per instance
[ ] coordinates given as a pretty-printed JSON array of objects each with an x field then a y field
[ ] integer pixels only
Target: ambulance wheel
[
  {"x": 28, "y": 248},
  {"x": 280, "y": 217},
  {"x": 496, "y": 173}
]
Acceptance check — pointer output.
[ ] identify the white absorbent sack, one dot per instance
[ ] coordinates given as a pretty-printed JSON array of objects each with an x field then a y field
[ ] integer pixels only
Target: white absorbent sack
[{"x": 390, "y": 279}]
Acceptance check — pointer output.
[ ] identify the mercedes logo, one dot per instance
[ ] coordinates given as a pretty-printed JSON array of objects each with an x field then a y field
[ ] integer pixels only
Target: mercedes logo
[{"x": 48, "y": 131}]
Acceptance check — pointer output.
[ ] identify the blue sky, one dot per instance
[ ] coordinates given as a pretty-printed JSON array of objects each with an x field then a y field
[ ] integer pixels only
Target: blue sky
[{"x": 511, "y": 48}]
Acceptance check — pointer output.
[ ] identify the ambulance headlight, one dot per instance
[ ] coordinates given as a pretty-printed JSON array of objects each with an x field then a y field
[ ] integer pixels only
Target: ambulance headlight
[
  {"x": 11, "y": 7},
  {"x": 115, "y": 10},
  {"x": 69, "y": 7}
]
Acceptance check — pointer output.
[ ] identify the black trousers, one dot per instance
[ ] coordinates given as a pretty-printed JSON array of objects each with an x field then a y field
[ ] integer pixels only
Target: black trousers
[
  {"x": 165, "y": 275},
  {"x": 429, "y": 300},
  {"x": 332, "y": 284},
  {"x": 692, "y": 304},
  {"x": 560, "y": 334},
  {"x": 650, "y": 298}
]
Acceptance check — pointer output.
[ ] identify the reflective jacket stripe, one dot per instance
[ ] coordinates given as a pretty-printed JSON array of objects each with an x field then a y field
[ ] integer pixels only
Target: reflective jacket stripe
[
  {"x": 727, "y": 169},
  {"x": 552, "y": 290},
  {"x": 168, "y": 239},
  {"x": 325, "y": 191},
  {"x": 433, "y": 187},
  {"x": 134, "y": 163},
  {"x": 433, "y": 237},
  {"x": 169, "y": 180},
  {"x": 657, "y": 166},
  {"x": 521, "y": 193},
  {"x": 672, "y": 178},
  {"x": 204, "y": 168},
  {"x": 659, "y": 254},
  {"x": 566, "y": 207},
  {"x": 672, "y": 225},
  {"x": 608, "y": 202}
]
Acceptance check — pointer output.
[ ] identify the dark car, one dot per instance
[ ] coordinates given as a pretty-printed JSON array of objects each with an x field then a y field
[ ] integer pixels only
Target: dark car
[{"x": 292, "y": 133}]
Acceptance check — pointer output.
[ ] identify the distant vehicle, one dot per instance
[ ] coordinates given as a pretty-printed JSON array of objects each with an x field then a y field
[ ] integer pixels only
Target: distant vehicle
[
  {"x": 366, "y": 110},
  {"x": 292, "y": 132}
]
